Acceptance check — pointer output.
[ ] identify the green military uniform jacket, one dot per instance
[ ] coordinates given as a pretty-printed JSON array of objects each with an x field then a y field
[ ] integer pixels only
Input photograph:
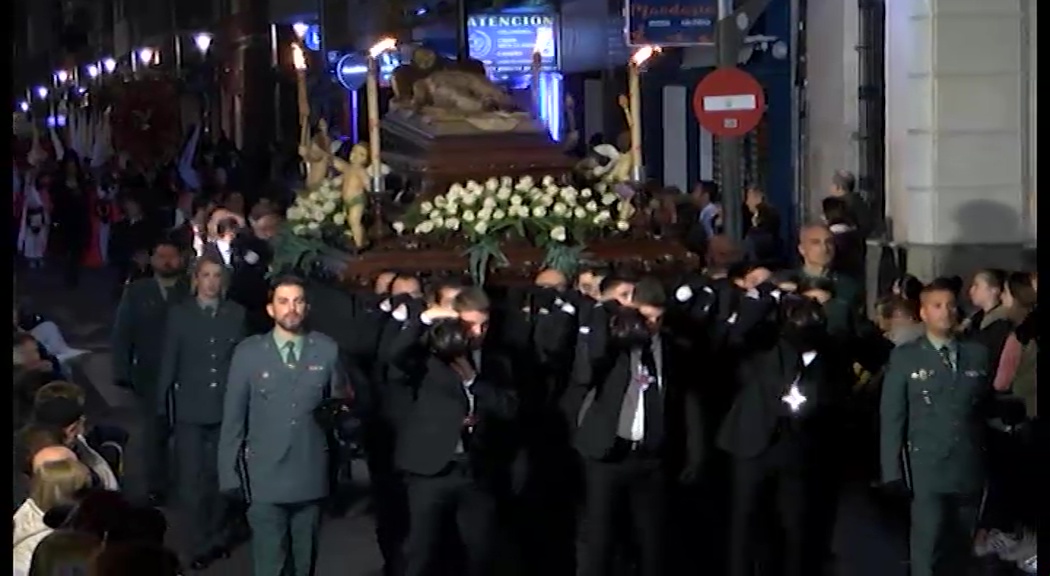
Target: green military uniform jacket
[
  {"x": 268, "y": 418},
  {"x": 198, "y": 347},
  {"x": 934, "y": 416},
  {"x": 138, "y": 332}
]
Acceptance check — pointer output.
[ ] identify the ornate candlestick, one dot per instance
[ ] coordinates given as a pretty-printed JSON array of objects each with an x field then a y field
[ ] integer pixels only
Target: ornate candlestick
[
  {"x": 375, "y": 170},
  {"x": 634, "y": 91}
]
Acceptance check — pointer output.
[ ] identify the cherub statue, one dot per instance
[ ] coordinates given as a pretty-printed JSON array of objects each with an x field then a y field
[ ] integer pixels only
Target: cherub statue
[
  {"x": 355, "y": 183},
  {"x": 316, "y": 152}
]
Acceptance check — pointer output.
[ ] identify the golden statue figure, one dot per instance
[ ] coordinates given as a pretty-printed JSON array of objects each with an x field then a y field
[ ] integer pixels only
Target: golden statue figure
[
  {"x": 355, "y": 185},
  {"x": 316, "y": 154}
]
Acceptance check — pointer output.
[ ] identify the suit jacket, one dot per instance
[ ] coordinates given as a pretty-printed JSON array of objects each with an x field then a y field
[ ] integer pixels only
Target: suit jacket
[
  {"x": 436, "y": 419},
  {"x": 763, "y": 378},
  {"x": 936, "y": 417},
  {"x": 599, "y": 416},
  {"x": 268, "y": 420},
  {"x": 138, "y": 332},
  {"x": 198, "y": 348}
]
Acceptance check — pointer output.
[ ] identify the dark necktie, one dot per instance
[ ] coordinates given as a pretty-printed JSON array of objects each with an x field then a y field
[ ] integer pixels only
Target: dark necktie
[
  {"x": 653, "y": 401},
  {"x": 946, "y": 358},
  {"x": 209, "y": 310},
  {"x": 289, "y": 353}
]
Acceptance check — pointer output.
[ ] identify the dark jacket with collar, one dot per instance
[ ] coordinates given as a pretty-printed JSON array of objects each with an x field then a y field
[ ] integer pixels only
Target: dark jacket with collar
[
  {"x": 990, "y": 329},
  {"x": 138, "y": 332},
  {"x": 429, "y": 434}
]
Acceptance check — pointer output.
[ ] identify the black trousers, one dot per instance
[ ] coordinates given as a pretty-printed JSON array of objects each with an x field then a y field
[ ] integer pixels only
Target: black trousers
[
  {"x": 389, "y": 499},
  {"x": 628, "y": 488},
  {"x": 196, "y": 456},
  {"x": 778, "y": 474},
  {"x": 438, "y": 503}
]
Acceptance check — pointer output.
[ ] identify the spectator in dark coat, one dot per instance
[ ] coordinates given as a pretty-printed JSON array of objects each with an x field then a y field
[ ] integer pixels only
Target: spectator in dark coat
[{"x": 850, "y": 245}]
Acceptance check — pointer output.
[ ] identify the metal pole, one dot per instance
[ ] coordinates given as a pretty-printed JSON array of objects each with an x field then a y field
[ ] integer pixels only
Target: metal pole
[
  {"x": 731, "y": 31},
  {"x": 462, "y": 42}
]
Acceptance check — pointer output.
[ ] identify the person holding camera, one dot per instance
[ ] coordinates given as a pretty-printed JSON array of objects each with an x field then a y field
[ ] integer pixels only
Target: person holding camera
[
  {"x": 449, "y": 442},
  {"x": 638, "y": 422},
  {"x": 271, "y": 433}
]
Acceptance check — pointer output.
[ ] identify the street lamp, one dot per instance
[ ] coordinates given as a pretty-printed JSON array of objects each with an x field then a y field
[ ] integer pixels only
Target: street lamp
[
  {"x": 109, "y": 65},
  {"x": 93, "y": 71},
  {"x": 23, "y": 106},
  {"x": 146, "y": 56},
  {"x": 203, "y": 42},
  {"x": 61, "y": 76},
  {"x": 41, "y": 91},
  {"x": 300, "y": 29}
]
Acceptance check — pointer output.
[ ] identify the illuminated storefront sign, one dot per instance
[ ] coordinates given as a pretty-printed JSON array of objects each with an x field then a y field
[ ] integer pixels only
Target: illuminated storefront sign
[{"x": 505, "y": 41}]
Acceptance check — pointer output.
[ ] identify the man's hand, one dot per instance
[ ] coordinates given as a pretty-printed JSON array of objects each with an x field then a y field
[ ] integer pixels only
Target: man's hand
[{"x": 437, "y": 313}]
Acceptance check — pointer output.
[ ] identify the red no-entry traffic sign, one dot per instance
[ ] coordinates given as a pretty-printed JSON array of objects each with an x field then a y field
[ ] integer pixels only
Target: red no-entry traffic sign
[{"x": 729, "y": 102}]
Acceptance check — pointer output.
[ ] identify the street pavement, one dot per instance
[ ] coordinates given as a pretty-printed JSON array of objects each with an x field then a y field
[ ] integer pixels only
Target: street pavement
[{"x": 867, "y": 542}]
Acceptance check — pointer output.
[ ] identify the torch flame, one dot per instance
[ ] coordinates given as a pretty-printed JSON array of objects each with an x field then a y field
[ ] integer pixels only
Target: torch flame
[
  {"x": 298, "y": 57},
  {"x": 384, "y": 45},
  {"x": 644, "y": 53},
  {"x": 544, "y": 36}
]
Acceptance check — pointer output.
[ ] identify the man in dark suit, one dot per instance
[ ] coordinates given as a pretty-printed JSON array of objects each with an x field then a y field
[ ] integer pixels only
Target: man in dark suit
[
  {"x": 137, "y": 341},
  {"x": 638, "y": 422},
  {"x": 934, "y": 399},
  {"x": 201, "y": 335},
  {"x": 276, "y": 381},
  {"x": 448, "y": 444},
  {"x": 131, "y": 240},
  {"x": 769, "y": 433}
]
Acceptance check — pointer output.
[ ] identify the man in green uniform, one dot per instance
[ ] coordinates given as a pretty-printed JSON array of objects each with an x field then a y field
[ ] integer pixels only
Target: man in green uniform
[
  {"x": 137, "y": 341},
  {"x": 816, "y": 246},
  {"x": 202, "y": 333},
  {"x": 276, "y": 381},
  {"x": 933, "y": 411}
]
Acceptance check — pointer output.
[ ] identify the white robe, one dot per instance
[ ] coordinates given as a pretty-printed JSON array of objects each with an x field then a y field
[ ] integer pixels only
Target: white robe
[
  {"x": 35, "y": 225},
  {"x": 105, "y": 198}
]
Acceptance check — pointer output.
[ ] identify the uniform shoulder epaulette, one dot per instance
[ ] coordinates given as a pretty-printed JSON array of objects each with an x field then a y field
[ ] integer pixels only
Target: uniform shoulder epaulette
[{"x": 321, "y": 338}]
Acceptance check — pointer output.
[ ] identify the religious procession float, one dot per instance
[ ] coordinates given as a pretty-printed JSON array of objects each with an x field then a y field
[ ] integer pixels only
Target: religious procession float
[{"x": 482, "y": 189}]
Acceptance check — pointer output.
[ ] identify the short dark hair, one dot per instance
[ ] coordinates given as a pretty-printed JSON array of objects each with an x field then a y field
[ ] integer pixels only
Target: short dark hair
[
  {"x": 898, "y": 305},
  {"x": 938, "y": 285},
  {"x": 436, "y": 287},
  {"x": 994, "y": 277},
  {"x": 60, "y": 389},
  {"x": 594, "y": 269},
  {"x": 227, "y": 225},
  {"x": 844, "y": 180},
  {"x": 285, "y": 280},
  {"x": 710, "y": 188},
  {"x": 165, "y": 241},
  {"x": 817, "y": 283},
  {"x": 836, "y": 210},
  {"x": 33, "y": 438},
  {"x": 612, "y": 280},
  {"x": 649, "y": 292},
  {"x": 472, "y": 299},
  {"x": 207, "y": 258}
]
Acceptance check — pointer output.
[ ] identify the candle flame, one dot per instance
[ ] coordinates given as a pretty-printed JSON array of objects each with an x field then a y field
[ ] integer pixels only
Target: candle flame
[
  {"x": 298, "y": 57},
  {"x": 644, "y": 53},
  {"x": 544, "y": 36},
  {"x": 384, "y": 45}
]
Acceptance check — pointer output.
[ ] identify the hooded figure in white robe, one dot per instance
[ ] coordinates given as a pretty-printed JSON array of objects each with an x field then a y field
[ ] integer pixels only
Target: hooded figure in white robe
[{"x": 34, "y": 227}]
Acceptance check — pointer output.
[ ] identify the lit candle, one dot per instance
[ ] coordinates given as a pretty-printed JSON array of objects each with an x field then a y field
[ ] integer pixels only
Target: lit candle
[
  {"x": 634, "y": 91},
  {"x": 299, "y": 62},
  {"x": 372, "y": 97}
]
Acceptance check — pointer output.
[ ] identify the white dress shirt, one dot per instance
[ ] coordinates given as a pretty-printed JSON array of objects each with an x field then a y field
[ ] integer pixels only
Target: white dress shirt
[
  {"x": 225, "y": 250},
  {"x": 632, "y": 411}
]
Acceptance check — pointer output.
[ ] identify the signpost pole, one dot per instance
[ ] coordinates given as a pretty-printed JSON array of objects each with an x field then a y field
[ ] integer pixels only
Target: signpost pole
[{"x": 728, "y": 44}]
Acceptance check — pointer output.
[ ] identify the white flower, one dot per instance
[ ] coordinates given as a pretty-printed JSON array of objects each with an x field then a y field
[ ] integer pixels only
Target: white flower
[
  {"x": 602, "y": 218},
  {"x": 499, "y": 214},
  {"x": 622, "y": 225},
  {"x": 439, "y": 201},
  {"x": 601, "y": 187},
  {"x": 295, "y": 213},
  {"x": 546, "y": 201},
  {"x": 608, "y": 199},
  {"x": 560, "y": 209},
  {"x": 426, "y": 208},
  {"x": 469, "y": 199},
  {"x": 328, "y": 207},
  {"x": 451, "y": 208},
  {"x": 552, "y": 190},
  {"x": 313, "y": 225},
  {"x": 437, "y": 221},
  {"x": 299, "y": 229},
  {"x": 580, "y": 213},
  {"x": 425, "y": 227},
  {"x": 468, "y": 216},
  {"x": 558, "y": 234},
  {"x": 592, "y": 206},
  {"x": 489, "y": 202},
  {"x": 491, "y": 184},
  {"x": 548, "y": 180},
  {"x": 456, "y": 189},
  {"x": 339, "y": 218},
  {"x": 452, "y": 224},
  {"x": 539, "y": 212},
  {"x": 585, "y": 193},
  {"x": 485, "y": 214},
  {"x": 506, "y": 182},
  {"x": 504, "y": 194},
  {"x": 473, "y": 185},
  {"x": 515, "y": 200},
  {"x": 481, "y": 227},
  {"x": 525, "y": 183},
  {"x": 453, "y": 195},
  {"x": 399, "y": 227}
]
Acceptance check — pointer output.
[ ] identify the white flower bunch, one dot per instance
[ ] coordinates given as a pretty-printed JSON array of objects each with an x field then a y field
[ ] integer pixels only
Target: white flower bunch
[
  {"x": 543, "y": 207},
  {"x": 317, "y": 210}
]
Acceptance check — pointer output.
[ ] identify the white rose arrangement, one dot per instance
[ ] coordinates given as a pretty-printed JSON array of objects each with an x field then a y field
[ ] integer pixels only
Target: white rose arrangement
[
  {"x": 319, "y": 212},
  {"x": 542, "y": 210}
]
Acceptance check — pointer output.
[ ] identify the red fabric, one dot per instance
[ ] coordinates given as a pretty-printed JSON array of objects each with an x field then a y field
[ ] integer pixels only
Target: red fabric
[
  {"x": 1009, "y": 359},
  {"x": 93, "y": 257}
]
